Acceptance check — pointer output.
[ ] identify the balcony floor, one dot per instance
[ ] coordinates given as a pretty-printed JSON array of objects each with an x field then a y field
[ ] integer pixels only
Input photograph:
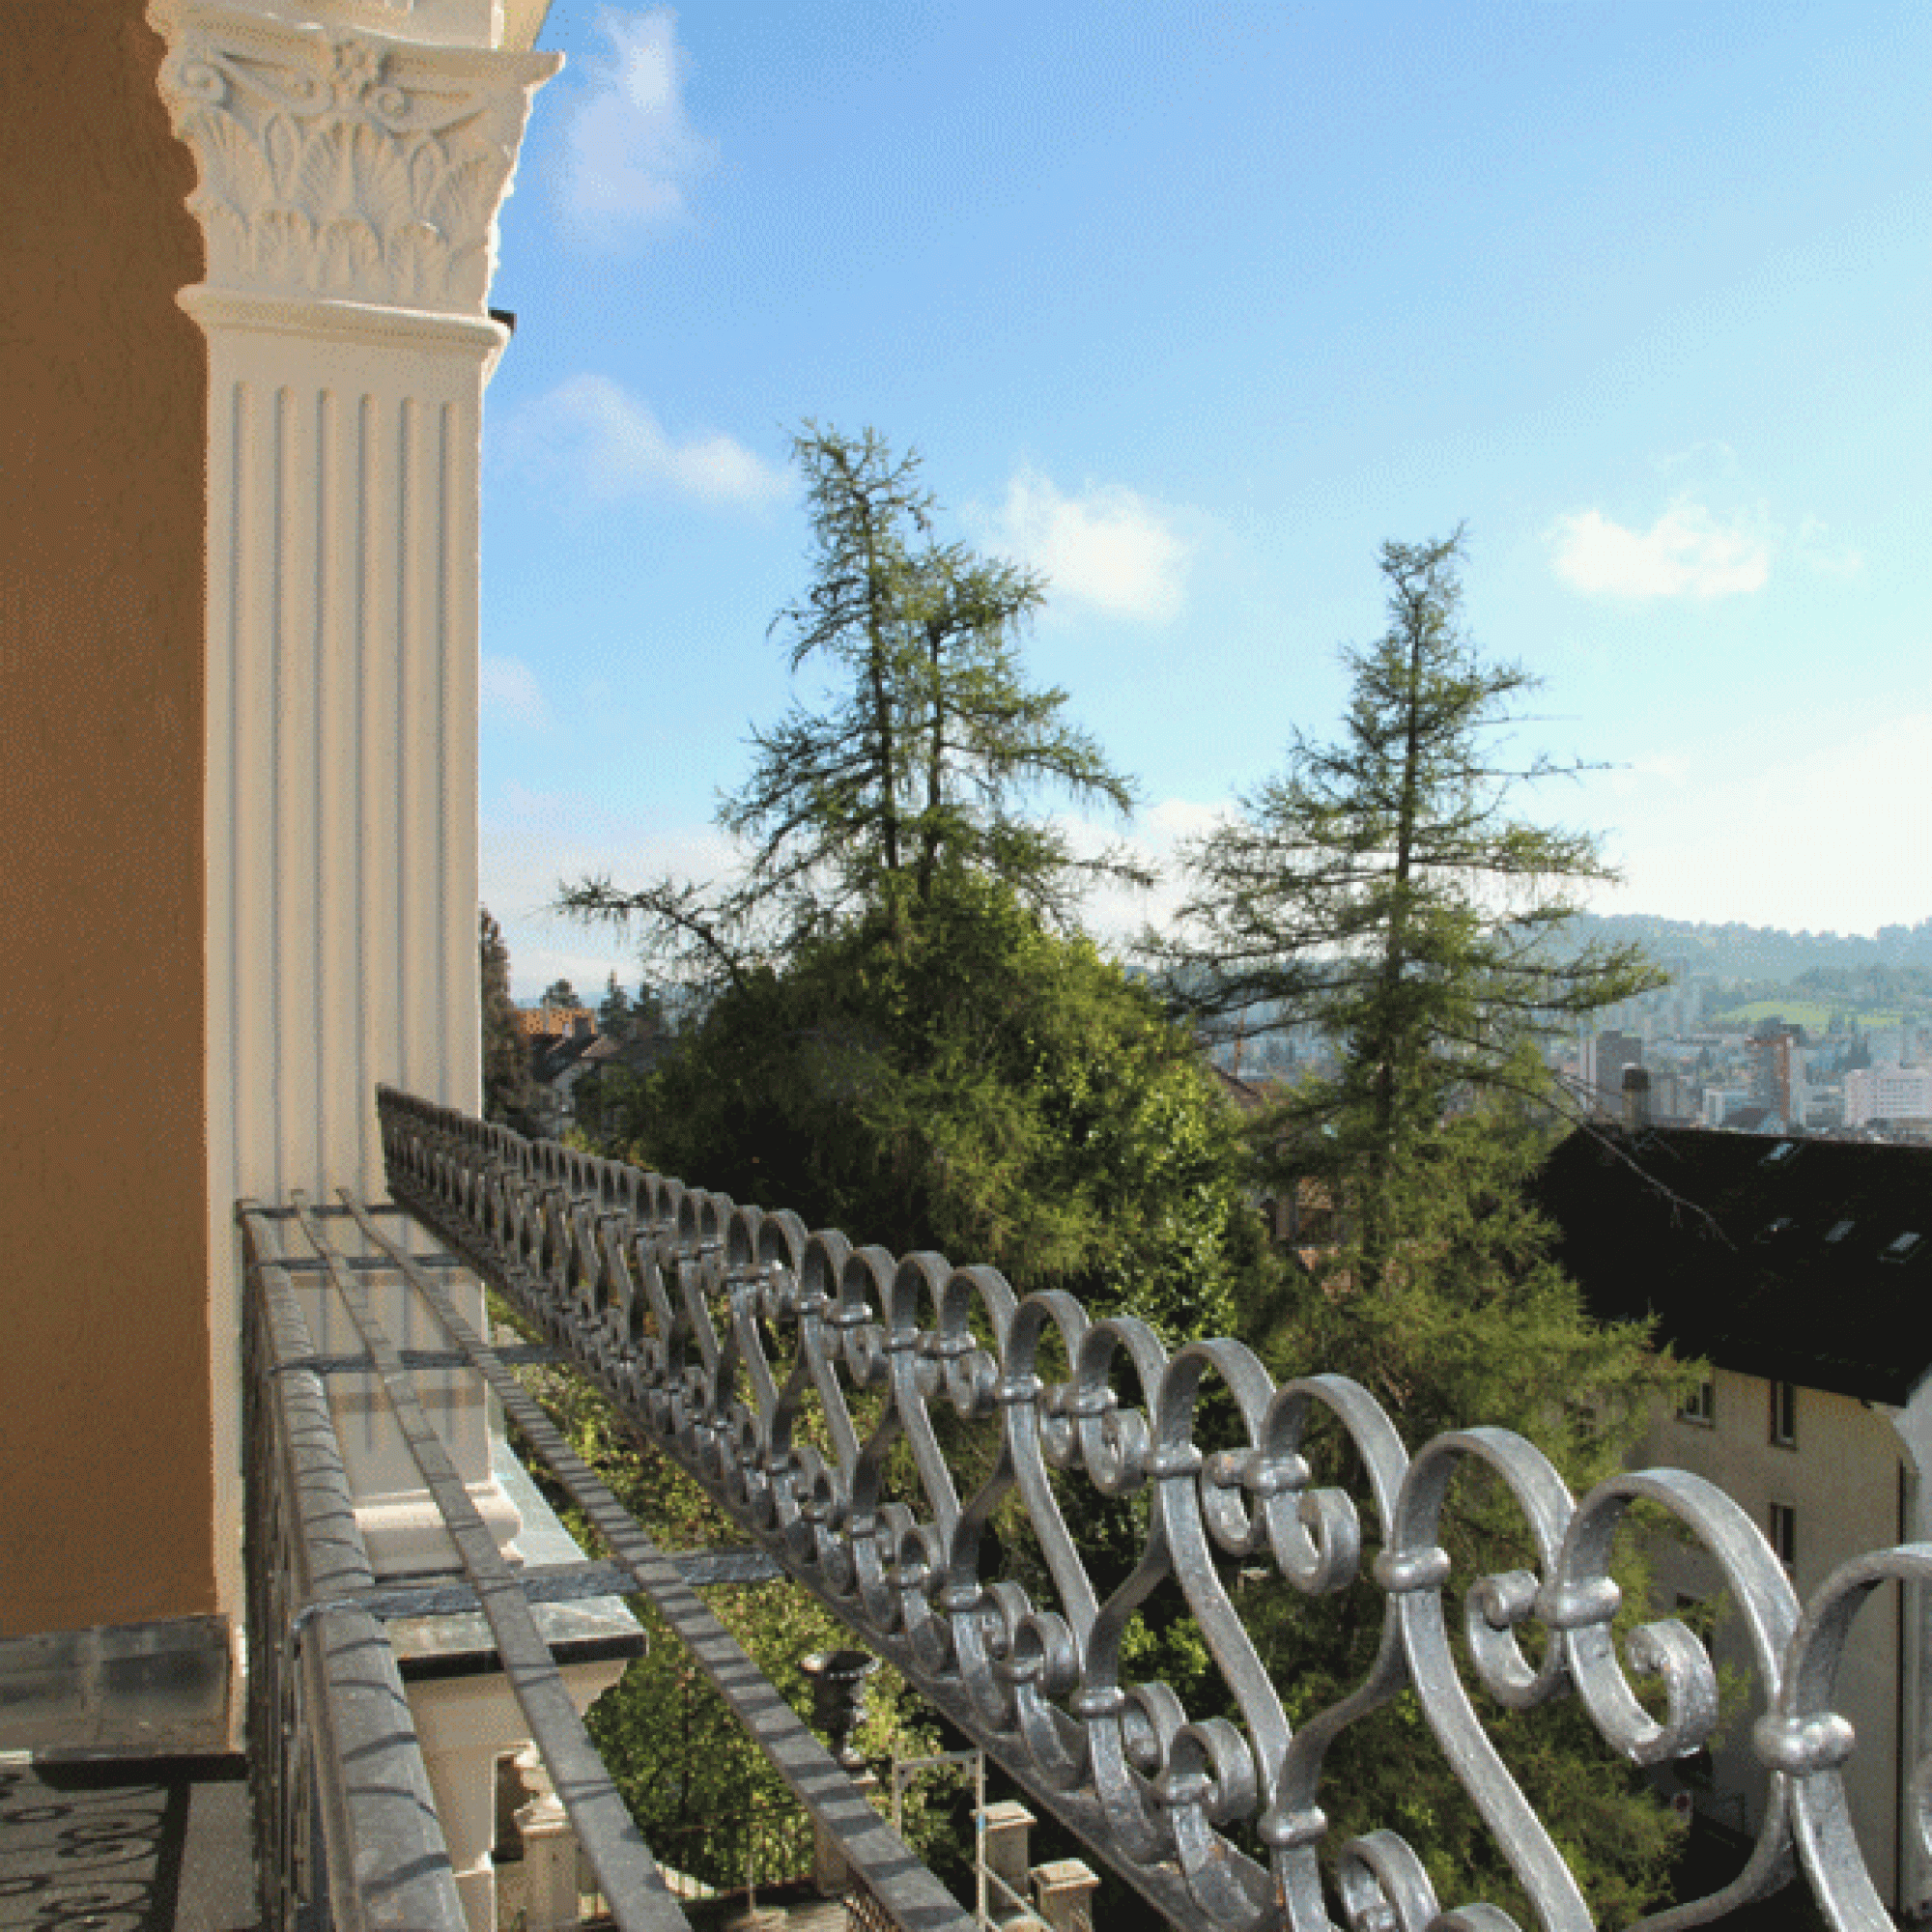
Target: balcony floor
[{"x": 125, "y": 1845}]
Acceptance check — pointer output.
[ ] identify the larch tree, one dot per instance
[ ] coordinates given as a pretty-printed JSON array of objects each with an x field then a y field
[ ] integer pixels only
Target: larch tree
[
  {"x": 1387, "y": 890},
  {"x": 926, "y": 751},
  {"x": 905, "y": 1035}
]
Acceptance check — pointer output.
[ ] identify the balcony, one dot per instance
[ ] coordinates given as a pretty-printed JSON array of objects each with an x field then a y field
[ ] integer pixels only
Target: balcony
[
  {"x": 262, "y": 818},
  {"x": 802, "y": 1382}
]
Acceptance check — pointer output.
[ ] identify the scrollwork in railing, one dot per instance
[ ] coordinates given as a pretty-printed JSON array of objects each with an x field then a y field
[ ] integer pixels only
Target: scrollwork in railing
[{"x": 800, "y": 1380}]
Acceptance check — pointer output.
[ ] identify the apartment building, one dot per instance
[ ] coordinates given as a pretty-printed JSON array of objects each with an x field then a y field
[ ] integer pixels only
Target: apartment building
[
  {"x": 1895, "y": 1095},
  {"x": 1800, "y": 1272}
]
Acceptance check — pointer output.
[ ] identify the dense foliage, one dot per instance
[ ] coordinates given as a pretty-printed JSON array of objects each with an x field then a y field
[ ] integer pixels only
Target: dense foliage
[
  {"x": 894, "y": 1030},
  {"x": 958, "y": 1076}
]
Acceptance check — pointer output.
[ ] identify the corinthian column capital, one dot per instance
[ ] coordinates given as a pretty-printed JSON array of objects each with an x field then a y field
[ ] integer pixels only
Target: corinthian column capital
[{"x": 341, "y": 162}]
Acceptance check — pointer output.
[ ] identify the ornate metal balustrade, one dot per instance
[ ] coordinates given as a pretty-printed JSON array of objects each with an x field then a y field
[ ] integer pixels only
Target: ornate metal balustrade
[
  {"x": 347, "y": 1826},
  {"x": 800, "y": 1380}
]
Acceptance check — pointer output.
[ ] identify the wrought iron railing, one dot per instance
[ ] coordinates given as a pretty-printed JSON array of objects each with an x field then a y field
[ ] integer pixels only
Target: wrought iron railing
[
  {"x": 346, "y": 1828},
  {"x": 799, "y": 1380},
  {"x": 346, "y": 1831}
]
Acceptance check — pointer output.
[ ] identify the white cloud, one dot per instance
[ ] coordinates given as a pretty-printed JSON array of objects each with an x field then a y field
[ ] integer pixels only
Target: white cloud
[
  {"x": 630, "y": 147},
  {"x": 1117, "y": 913},
  {"x": 507, "y": 689},
  {"x": 1110, "y": 547},
  {"x": 1176, "y": 819},
  {"x": 1686, "y": 552},
  {"x": 532, "y": 839},
  {"x": 532, "y": 842},
  {"x": 1806, "y": 820},
  {"x": 595, "y": 432}
]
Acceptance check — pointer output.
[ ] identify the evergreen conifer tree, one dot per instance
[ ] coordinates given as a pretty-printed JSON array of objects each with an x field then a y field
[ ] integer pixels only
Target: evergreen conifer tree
[
  {"x": 1387, "y": 891},
  {"x": 927, "y": 756},
  {"x": 613, "y": 1013},
  {"x": 507, "y": 1087}
]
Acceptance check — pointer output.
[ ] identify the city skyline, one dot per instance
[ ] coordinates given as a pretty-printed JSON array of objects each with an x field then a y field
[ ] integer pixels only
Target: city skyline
[{"x": 1193, "y": 315}]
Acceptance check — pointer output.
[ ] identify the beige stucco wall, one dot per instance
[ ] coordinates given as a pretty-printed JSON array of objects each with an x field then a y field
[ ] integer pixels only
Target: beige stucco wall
[
  {"x": 105, "y": 1459},
  {"x": 1842, "y": 1479}
]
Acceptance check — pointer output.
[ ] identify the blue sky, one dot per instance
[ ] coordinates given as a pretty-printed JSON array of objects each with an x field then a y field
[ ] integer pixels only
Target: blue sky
[{"x": 1192, "y": 308}]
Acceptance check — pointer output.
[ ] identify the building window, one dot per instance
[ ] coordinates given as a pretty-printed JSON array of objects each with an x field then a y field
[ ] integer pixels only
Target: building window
[
  {"x": 1784, "y": 1415},
  {"x": 1784, "y": 1534},
  {"x": 1700, "y": 1405}
]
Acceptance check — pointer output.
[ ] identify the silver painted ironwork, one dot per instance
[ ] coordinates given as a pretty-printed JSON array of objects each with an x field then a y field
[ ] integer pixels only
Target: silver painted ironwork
[
  {"x": 798, "y": 1378},
  {"x": 346, "y": 1822},
  {"x": 346, "y": 1831},
  {"x": 626, "y": 1872},
  {"x": 906, "y": 1891}
]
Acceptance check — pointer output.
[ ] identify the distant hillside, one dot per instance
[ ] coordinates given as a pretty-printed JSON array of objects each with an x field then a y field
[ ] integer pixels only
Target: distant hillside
[{"x": 1765, "y": 952}]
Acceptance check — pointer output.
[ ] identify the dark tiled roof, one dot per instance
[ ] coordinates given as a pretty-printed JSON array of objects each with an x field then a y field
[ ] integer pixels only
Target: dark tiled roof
[
  {"x": 1787, "y": 1259},
  {"x": 554, "y": 1055}
]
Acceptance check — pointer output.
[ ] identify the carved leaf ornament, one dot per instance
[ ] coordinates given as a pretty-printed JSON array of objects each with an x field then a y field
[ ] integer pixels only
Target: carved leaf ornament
[
  {"x": 798, "y": 1379},
  {"x": 328, "y": 169}
]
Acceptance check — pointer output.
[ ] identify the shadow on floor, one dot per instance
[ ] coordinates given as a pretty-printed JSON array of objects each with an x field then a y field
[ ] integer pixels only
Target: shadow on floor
[{"x": 156, "y": 1845}]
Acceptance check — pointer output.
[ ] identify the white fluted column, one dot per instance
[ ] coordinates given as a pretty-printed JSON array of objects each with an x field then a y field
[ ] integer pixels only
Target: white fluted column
[{"x": 349, "y": 185}]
